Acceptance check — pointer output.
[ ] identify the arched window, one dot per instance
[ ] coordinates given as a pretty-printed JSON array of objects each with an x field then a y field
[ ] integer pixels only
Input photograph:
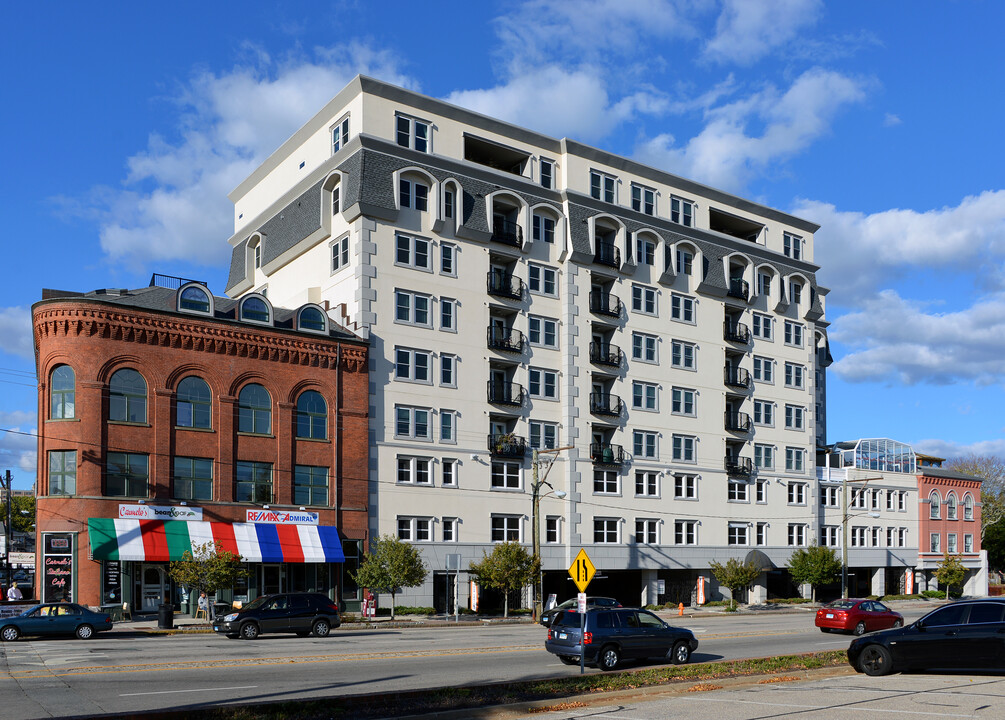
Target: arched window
[
  {"x": 935, "y": 503},
  {"x": 127, "y": 397},
  {"x": 193, "y": 404},
  {"x": 194, "y": 299},
  {"x": 312, "y": 416},
  {"x": 254, "y": 410},
  {"x": 311, "y": 318},
  {"x": 255, "y": 309},
  {"x": 951, "y": 506},
  {"x": 63, "y": 389},
  {"x": 968, "y": 507}
]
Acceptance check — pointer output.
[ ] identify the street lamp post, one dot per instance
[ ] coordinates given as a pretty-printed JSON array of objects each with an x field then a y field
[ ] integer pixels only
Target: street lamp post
[
  {"x": 535, "y": 489},
  {"x": 845, "y": 517}
]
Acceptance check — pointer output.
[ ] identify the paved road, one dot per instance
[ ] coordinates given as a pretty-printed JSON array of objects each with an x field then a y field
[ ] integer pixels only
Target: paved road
[{"x": 117, "y": 672}]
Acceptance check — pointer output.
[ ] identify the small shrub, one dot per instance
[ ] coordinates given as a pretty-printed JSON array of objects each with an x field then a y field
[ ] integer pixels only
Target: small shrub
[
  {"x": 717, "y": 603},
  {"x": 405, "y": 610},
  {"x": 730, "y": 608},
  {"x": 788, "y": 601},
  {"x": 934, "y": 594},
  {"x": 900, "y": 597}
]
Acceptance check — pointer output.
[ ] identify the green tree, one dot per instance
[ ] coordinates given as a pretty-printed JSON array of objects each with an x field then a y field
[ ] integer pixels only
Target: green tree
[
  {"x": 22, "y": 513},
  {"x": 951, "y": 573},
  {"x": 207, "y": 567},
  {"x": 814, "y": 566},
  {"x": 391, "y": 566},
  {"x": 508, "y": 568},
  {"x": 991, "y": 470},
  {"x": 734, "y": 575}
]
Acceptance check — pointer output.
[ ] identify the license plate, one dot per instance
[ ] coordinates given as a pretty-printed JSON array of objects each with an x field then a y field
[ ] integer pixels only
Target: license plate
[
  {"x": 830, "y": 616},
  {"x": 562, "y": 636}
]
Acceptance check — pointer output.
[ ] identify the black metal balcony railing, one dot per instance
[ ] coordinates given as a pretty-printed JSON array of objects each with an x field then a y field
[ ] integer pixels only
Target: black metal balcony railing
[
  {"x": 605, "y": 354},
  {"x": 607, "y": 254},
  {"x": 735, "y": 332},
  {"x": 506, "y": 339},
  {"x": 605, "y": 404},
  {"x": 739, "y": 288},
  {"x": 737, "y": 377},
  {"x": 738, "y": 421},
  {"x": 738, "y": 467},
  {"x": 604, "y": 303},
  {"x": 504, "y": 284},
  {"x": 507, "y": 445},
  {"x": 506, "y": 232},
  {"x": 505, "y": 393},
  {"x": 607, "y": 454}
]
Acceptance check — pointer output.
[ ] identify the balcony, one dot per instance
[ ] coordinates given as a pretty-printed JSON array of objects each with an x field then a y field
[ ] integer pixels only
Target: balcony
[
  {"x": 737, "y": 377},
  {"x": 607, "y": 254},
  {"x": 735, "y": 332},
  {"x": 606, "y": 454},
  {"x": 507, "y": 445},
  {"x": 604, "y": 303},
  {"x": 504, "y": 284},
  {"x": 605, "y": 404},
  {"x": 505, "y": 393},
  {"x": 506, "y": 339},
  {"x": 605, "y": 354},
  {"x": 738, "y": 422},
  {"x": 739, "y": 288},
  {"x": 739, "y": 467},
  {"x": 506, "y": 232}
]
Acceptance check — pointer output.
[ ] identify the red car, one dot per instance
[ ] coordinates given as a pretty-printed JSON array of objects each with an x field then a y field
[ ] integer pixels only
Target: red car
[{"x": 857, "y": 616}]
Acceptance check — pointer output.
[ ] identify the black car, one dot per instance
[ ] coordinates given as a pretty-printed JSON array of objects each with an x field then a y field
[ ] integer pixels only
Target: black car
[
  {"x": 591, "y": 601},
  {"x": 963, "y": 634},
  {"x": 300, "y": 613},
  {"x": 616, "y": 634}
]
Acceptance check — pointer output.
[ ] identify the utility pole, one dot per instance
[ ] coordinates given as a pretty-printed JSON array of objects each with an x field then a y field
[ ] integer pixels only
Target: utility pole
[
  {"x": 8, "y": 530},
  {"x": 535, "y": 487}
]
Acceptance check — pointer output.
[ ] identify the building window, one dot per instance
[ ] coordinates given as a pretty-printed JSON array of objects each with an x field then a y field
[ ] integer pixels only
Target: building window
[
  {"x": 411, "y": 423},
  {"x": 902, "y": 501},
  {"x": 415, "y": 471},
  {"x": 794, "y": 459},
  {"x": 255, "y": 309},
  {"x": 448, "y": 314},
  {"x": 605, "y": 531},
  {"x": 542, "y": 280},
  {"x": 542, "y": 332},
  {"x": 738, "y": 534},
  {"x": 685, "y": 262},
  {"x": 761, "y": 491},
  {"x": 62, "y": 393},
  {"x": 644, "y": 348},
  {"x": 793, "y": 375},
  {"x": 797, "y": 493},
  {"x": 547, "y": 174},
  {"x": 797, "y": 535},
  {"x": 340, "y": 134},
  {"x": 875, "y": 499},
  {"x": 795, "y": 292},
  {"x": 505, "y": 475},
  {"x": 647, "y": 532},
  {"x": 792, "y": 246},
  {"x": 793, "y": 417},
  {"x": 448, "y": 203},
  {"x": 682, "y": 355},
  {"x": 737, "y": 491},
  {"x": 542, "y": 229},
  {"x": 126, "y": 475},
  {"x": 340, "y": 253},
  {"x": 685, "y": 487},
  {"x": 411, "y": 133},
  {"x": 682, "y": 308},
  {"x": 901, "y": 537},
  {"x": 968, "y": 507},
  {"x": 761, "y": 326},
  {"x": 764, "y": 457},
  {"x": 968, "y": 543},
  {"x": 193, "y": 478},
  {"x": 543, "y": 384},
  {"x": 311, "y": 319},
  {"x": 415, "y": 529},
  {"x": 258, "y": 256},
  {"x": 254, "y": 410},
  {"x": 829, "y": 496},
  {"x": 552, "y": 529},
  {"x": 764, "y": 283},
  {"x": 411, "y": 308},
  {"x": 448, "y": 426},
  {"x": 605, "y": 482},
  {"x": 414, "y": 195},
  {"x": 194, "y": 299},
  {"x": 644, "y": 444},
  {"x": 643, "y": 299},
  {"x": 448, "y": 259},
  {"x": 858, "y": 499},
  {"x": 793, "y": 334},
  {"x": 934, "y": 505},
  {"x": 935, "y": 543},
  {"x": 681, "y": 211},
  {"x": 761, "y": 534},
  {"x": 449, "y": 529},
  {"x": 449, "y": 473},
  {"x": 645, "y": 251},
  {"x": 764, "y": 413},
  {"x": 312, "y": 416},
  {"x": 543, "y": 435},
  {"x": 193, "y": 404},
  {"x": 127, "y": 397},
  {"x": 683, "y": 401},
  {"x": 505, "y": 528},
  {"x": 683, "y": 448},
  {"x": 951, "y": 507},
  {"x": 602, "y": 186},
  {"x": 647, "y": 484},
  {"x": 643, "y": 200},
  {"x": 685, "y": 532},
  {"x": 62, "y": 472},
  {"x": 336, "y": 194},
  {"x": 448, "y": 369},
  {"x": 829, "y": 535},
  {"x": 644, "y": 395},
  {"x": 254, "y": 482},
  {"x": 411, "y": 252}
]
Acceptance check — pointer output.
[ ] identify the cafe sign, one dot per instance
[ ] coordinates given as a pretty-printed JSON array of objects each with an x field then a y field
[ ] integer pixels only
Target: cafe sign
[
  {"x": 159, "y": 512},
  {"x": 281, "y": 517}
]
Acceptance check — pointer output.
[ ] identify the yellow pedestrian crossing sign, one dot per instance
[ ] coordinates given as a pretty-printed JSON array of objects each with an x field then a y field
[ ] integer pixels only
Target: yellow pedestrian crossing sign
[{"x": 582, "y": 570}]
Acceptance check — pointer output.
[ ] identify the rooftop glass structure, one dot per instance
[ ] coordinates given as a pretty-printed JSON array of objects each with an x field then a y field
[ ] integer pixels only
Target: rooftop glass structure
[{"x": 879, "y": 454}]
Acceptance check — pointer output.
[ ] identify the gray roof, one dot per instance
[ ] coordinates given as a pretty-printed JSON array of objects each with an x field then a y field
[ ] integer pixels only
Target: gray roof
[{"x": 944, "y": 473}]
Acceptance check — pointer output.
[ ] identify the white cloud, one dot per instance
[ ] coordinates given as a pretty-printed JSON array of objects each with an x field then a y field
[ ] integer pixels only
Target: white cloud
[
  {"x": 747, "y": 30},
  {"x": 19, "y": 446},
  {"x": 15, "y": 332},
  {"x": 949, "y": 450},
  {"x": 724, "y": 155},
  {"x": 891, "y": 120}
]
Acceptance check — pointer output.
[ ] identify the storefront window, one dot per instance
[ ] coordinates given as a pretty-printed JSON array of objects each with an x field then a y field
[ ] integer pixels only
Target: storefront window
[{"x": 57, "y": 570}]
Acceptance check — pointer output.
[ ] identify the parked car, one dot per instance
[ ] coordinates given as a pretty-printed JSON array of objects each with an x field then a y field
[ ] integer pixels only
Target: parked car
[
  {"x": 857, "y": 616},
  {"x": 55, "y": 619},
  {"x": 300, "y": 613},
  {"x": 615, "y": 634},
  {"x": 591, "y": 601},
  {"x": 963, "y": 634}
]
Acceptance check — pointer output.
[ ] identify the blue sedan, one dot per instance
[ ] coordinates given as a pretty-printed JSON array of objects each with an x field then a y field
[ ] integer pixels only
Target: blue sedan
[{"x": 55, "y": 619}]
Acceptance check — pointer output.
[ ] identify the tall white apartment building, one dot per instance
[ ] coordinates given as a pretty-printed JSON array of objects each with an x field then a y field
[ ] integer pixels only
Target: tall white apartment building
[{"x": 521, "y": 291}]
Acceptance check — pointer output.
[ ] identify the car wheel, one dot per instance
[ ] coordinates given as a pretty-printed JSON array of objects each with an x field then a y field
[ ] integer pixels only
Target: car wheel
[
  {"x": 875, "y": 660},
  {"x": 84, "y": 632},
  {"x": 249, "y": 631},
  {"x": 10, "y": 633},
  {"x": 898, "y": 623},
  {"x": 569, "y": 660},
  {"x": 680, "y": 653},
  {"x": 859, "y": 629},
  {"x": 321, "y": 628},
  {"x": 609, "y": 658}
]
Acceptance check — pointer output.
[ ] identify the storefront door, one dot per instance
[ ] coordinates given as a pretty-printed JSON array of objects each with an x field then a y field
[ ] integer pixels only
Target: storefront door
[
  {"x": 271, "y": 579},
  {"x": 152, "y": 587}
]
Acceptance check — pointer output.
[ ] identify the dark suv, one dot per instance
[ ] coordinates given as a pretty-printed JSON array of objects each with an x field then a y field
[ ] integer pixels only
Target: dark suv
[
  {"x": 300, "y": 613},
  {"x": 615, "y": 634}
]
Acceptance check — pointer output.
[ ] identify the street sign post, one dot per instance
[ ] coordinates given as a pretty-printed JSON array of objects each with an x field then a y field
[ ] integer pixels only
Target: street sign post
[{"x": 582, "y": 571}]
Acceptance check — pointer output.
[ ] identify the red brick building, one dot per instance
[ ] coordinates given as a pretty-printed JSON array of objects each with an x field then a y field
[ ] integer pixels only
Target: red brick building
[
  {"x": 949, "y": 523},
  {"x": 170, "y": 417}
]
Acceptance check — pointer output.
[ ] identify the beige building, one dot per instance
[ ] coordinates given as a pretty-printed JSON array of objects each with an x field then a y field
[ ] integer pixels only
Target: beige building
[{"x": 520, "y": 292}]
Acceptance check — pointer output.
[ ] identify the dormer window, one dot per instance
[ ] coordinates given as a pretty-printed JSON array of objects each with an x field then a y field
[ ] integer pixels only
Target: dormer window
[
  {"x": 256, "y": 309},
  {"x": 795, "y": 292},
  {"x": 194, "y": 298},
  {"x": 312, "y": 319},
  {"x": 412, "y": 194},
  {"x": 258, "y": 256}
]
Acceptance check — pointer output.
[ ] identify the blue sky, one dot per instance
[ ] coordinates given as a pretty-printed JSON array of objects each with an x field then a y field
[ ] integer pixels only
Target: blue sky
[{"x": 124, "y": 128}]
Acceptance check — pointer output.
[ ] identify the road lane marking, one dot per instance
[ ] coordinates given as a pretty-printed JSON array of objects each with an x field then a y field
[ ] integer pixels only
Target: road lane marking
[{"x": 172, "y": 692}]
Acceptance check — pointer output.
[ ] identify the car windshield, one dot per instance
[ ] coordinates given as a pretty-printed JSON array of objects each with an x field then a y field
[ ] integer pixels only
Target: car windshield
[
  {"x": 843, "y": 604},
  {"x": 258, "y": 602}
]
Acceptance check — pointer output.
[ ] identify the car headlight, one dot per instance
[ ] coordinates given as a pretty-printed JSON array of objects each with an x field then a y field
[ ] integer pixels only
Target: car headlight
[{"x": 230, "y": 618}]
